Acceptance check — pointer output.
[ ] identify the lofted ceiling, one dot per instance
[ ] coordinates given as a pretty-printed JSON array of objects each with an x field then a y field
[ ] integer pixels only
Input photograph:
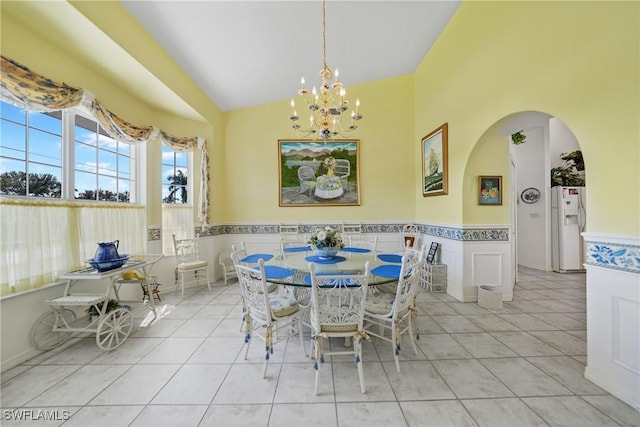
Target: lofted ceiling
[
  {"x": 246, "y": 53},
  {"x": 243, "y": 53}
]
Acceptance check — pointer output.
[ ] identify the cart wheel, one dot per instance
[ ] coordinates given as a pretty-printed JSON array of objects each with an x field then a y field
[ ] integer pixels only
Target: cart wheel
[
  {"x": 43, "y": 337},
  {"x": 114, "y": 329}
]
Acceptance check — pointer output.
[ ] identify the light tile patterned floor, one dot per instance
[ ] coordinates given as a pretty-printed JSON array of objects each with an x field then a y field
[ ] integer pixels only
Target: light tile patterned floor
[{"x": 519, "y": 366}]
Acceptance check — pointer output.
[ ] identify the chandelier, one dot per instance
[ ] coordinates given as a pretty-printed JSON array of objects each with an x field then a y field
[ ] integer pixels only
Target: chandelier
[{"x": 328, "y": 105}]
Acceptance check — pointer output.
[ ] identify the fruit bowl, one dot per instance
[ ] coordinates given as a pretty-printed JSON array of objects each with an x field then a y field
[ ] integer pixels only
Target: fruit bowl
[{"x": 101, "y": 266}]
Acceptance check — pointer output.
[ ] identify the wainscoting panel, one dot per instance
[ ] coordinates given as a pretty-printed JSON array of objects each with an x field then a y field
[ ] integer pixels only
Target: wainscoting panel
[
  {"x": 487, "y": 269},
  {"x": 613, "y": 315},
  {"x": 626, "y": 344}
]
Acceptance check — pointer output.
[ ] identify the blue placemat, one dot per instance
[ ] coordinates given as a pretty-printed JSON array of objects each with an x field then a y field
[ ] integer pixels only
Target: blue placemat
[
  {"x": 357, "y": 250},
  {"x": 275, "y": 272},
  {"x": 317, "y": 259},
  {"x": 298, "y": 249},
  {"x": 390, "y": 258},
  {"x": 255, "y": 257},
  {"x": 389, "y": 271}
]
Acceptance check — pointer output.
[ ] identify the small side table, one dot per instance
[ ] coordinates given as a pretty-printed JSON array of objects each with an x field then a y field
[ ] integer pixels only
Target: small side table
[{"x": 434, "y": 277}]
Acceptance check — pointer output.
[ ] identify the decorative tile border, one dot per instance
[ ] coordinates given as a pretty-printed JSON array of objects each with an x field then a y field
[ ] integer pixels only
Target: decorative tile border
[
  {"x": 616, "y": 256},
  {"x": 153, "y": 234},
  {"x": 493, "y": 234}
]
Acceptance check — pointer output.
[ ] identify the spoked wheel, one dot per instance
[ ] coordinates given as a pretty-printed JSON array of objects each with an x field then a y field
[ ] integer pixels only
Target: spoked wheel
[
  {"x": 114, "y": 329},
  {"x": 43, "y": 337}
]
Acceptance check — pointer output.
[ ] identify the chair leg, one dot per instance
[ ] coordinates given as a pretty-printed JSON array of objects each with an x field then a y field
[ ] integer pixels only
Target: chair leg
[
  {"x": 357, "y": 348},
  {"x": 208, "y": 281},
  {"x": 413, "y": 341},
  {"x": 247, "y": 335},
  {"x": 318, "y": 348},
  {"x": 268, "y": 349},
  {"x": 396, "y": 345},
  {"x": 301, "y": 336}
]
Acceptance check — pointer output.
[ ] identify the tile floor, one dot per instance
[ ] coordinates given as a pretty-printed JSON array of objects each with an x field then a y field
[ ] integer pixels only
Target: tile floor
[{"x": 518, "y": 366}]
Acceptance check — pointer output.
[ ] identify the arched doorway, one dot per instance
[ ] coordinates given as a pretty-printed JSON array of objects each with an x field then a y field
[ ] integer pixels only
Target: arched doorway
[{"x": 526, "y": 184}]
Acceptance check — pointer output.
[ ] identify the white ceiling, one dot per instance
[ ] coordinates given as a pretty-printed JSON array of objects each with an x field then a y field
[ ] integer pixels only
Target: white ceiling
[{"x": 246, "y": 53}]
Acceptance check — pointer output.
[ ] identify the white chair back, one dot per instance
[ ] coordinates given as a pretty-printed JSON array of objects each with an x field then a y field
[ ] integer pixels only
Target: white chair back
[
  {"x": 408, "y": 282},
  {"x": 186, "y": 250},
  {"x": 337, "y": 310},
  {"x": 371, "y": 244},
  {"x": 252, "y": 285},
  {"x": 410, "y": 236}
]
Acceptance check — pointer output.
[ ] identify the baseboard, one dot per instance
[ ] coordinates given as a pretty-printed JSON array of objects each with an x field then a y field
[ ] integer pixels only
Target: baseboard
[{"x": 613, "y": 388}]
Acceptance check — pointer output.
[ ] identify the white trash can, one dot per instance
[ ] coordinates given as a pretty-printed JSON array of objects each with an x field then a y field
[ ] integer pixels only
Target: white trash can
[{"x": 490, "y": 297}]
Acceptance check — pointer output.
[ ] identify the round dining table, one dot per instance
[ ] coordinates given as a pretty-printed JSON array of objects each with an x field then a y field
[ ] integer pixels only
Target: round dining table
[{"x": 291, "y": 266}]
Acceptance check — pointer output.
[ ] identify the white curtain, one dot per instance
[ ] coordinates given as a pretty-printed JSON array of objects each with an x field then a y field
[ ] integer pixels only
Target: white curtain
[
  {"x": 35, "y": 245},
  {"x": 107, "y": 224},
  {"x": 178, "y": 220},
  {"x": 40, "y": 240}
]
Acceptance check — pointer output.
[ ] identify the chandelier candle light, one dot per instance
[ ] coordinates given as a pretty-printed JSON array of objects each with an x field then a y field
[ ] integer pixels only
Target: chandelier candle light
[{"x": 327, "y": 106}]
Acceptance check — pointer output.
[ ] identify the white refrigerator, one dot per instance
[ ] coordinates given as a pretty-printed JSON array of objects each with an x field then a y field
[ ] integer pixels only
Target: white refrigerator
[{"x": 568, "y": 220}]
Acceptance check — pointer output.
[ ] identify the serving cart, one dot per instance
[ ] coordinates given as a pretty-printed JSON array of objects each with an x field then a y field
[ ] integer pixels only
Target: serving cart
[{"x": 112, "y": 328}]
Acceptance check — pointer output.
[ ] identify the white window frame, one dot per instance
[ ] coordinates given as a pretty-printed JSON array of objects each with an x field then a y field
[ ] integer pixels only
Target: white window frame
[
  {"x": 138, "y": 152},
  {"x": 138, "y": 162},
  {"x": 174, "y": 220}
]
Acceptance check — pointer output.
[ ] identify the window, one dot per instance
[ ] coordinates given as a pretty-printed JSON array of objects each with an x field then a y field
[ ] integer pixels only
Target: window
[
  {"x": 36, "y": 150},
  {"x": 62, "y": 155},
  {"x": 103, "y": 165},
  {"x": 177, "y": 208},
  {"x": 175, "y": 176},
  {"x": 31, "y": 152}
]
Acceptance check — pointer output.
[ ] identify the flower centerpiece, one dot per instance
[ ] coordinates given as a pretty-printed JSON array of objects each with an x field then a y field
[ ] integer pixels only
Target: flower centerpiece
[
  {"x": 326, "y": 242},
  {"x": 330, "y": 164}
]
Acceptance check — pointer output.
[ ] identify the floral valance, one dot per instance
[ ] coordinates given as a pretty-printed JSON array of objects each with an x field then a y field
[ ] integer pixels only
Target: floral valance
[
  {"x": 34, "y": 92},
  {"x": 29, "y": 90}
]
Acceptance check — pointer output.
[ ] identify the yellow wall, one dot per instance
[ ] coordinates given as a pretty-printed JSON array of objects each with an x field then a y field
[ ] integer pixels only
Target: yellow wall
[
  {"x": 386, "y": 164},
  {"x": 490, "y": 156},
  {"x": 54, "y": 60},
  {"x": 578, "y": 61}
]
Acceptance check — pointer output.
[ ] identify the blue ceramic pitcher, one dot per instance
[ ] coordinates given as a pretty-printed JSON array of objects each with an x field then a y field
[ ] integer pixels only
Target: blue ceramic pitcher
[{"x": 107, "y": 251}]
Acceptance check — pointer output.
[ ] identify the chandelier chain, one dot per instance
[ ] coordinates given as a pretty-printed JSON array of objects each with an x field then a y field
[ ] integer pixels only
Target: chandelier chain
[
  {"x": 324, "y": 34},
  {"x": 328, "y": 104}
]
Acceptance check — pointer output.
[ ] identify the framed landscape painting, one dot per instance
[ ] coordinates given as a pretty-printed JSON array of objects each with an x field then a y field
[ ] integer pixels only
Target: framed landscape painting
[
  {"x": 317, "y": 173},
  {"x": 435, "y": 168}
]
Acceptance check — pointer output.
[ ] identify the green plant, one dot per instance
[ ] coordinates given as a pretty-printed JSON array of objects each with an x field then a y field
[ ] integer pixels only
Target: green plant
[
  {"x": 518, "y": 138},
  {"x": 574, "y": 158},
  {"x": 568, "y": 175},
  {"x": 112, "y": 304}
]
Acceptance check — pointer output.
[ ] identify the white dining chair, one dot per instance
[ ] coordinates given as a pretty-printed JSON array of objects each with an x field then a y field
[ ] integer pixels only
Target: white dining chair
[
  {"x": 395, "y": 312},
  {"x": 410, "y": 236},
  {"x": 362, "y": 243},
  {"x": 292, "y": 243},
  {"x": 228, "y": 269},
  {"x": 266, "y": 313},
  {"x": 337, "y": 310},
  {"x": 187, "y": 253}
]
